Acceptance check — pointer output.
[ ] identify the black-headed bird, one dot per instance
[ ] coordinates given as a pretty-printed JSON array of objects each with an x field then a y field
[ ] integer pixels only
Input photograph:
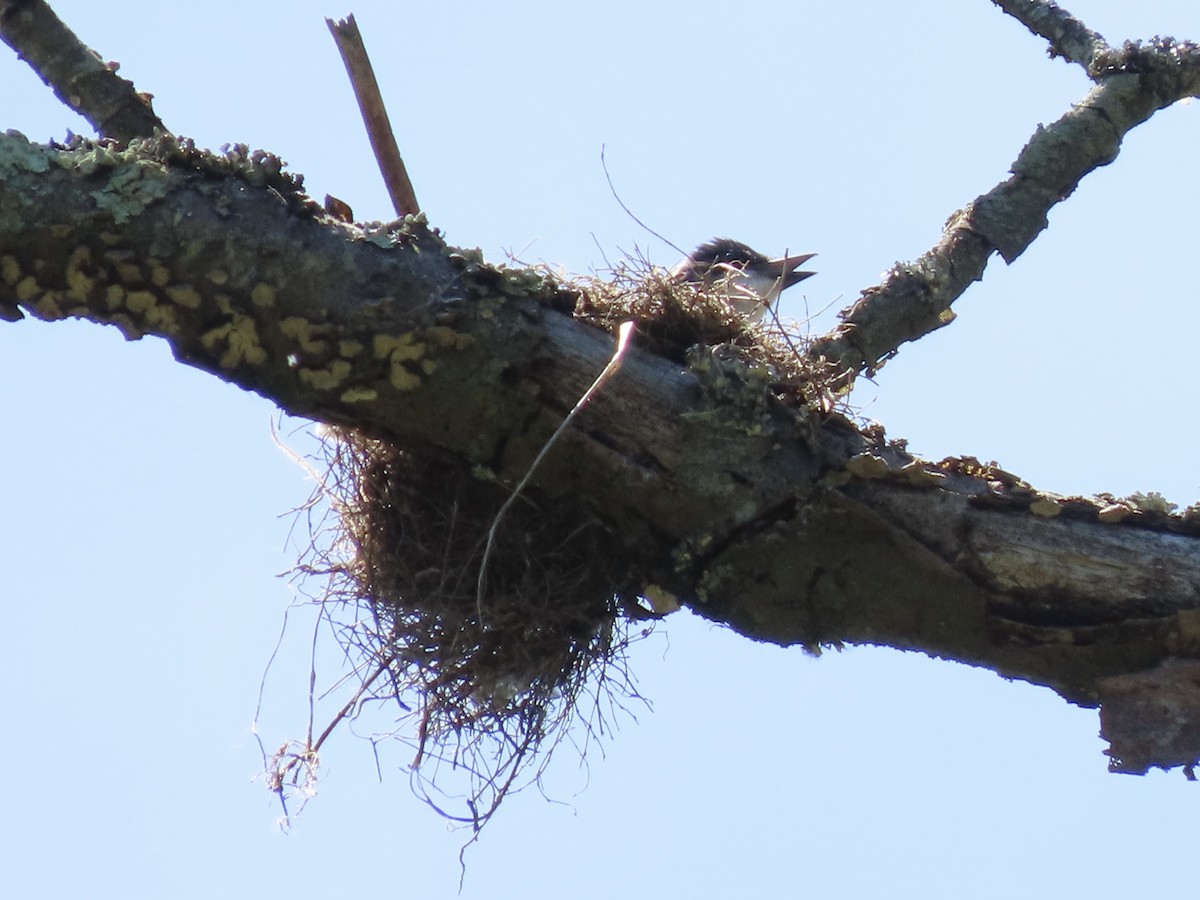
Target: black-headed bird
[{"x": 749, "y": 281}]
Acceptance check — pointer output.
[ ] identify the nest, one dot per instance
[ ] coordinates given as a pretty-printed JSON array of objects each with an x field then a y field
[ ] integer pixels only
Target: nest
[
  {"x": 681, "y": 320},
  {"x": 488, "y": 673},
  {"x": 494, "y": 635}
]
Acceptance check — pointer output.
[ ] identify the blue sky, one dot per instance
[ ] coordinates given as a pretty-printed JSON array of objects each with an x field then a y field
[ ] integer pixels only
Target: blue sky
[{"x": 144, "y": 503}]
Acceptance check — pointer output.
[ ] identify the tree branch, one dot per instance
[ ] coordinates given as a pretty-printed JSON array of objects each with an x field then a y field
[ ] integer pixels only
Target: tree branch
[
  {"x": 915, "y": 298},
  {"x": 1068, "y": 37},
  {"x": 789, "y": 525},
  {"x": 76, "y": 73}
]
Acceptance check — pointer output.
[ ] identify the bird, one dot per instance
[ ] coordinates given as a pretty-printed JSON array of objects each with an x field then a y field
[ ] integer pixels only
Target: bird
[{"x": 750, "y": 282}]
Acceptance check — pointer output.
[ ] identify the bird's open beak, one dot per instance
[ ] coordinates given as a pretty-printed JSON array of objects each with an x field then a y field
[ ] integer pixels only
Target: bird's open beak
[{"x": 784, "y": 269}]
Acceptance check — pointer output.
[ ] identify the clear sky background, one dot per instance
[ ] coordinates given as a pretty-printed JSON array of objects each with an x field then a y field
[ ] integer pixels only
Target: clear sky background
[{"x": 143, "y": 503}]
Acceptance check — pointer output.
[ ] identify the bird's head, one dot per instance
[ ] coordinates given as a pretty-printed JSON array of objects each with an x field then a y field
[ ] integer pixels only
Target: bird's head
[{"x": 749, "y": 281}]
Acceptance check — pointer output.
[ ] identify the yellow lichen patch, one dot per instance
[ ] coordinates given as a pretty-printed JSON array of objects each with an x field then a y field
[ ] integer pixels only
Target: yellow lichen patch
[
  {"x": 402, "y": 379},
  {"x": 398, "y": 349},
  {"x": 126, "y": 326},
  {"x": 140, "y": 301},
  {"x": 359, "y": 395},
  {"x": 129, "y": 273},
  {"x": 349, "y": 349},
  {"x": 867, "y": 465},
  {"x": 218, "y": 276},
  {"x": 79, "y": 282},
  {"x": 114, "y": 296},
  {"x": 28, "y": 288},
  {"x": 429, "y": 366},
  {"x": 661, "y": 601},
  {"x": 305, "y": 334},
  {"x": 407, "y": 352},
  {"x": 160, "y": 276},
  {"x": 262, "y": 295},
  {"x": 10, "y": 269},
  {"x": 47, "y": 306},
  {"x": 1045, "y": 507},
  {"x": 328, "y": 378},
  {"x": 184, "y": 295},
  {"x": 241, "y": 340},
  {"x": 162, "y": 320},
  {"x": 917, "y": 475},
  {"x": 1114, "y": 512},
  {"x": 448, "y": 337}
]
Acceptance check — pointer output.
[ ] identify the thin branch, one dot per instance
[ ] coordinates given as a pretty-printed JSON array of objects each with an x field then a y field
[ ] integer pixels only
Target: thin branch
[
  {"x": 76, "y": 74},
  {"x": 1068, "y": 37},
  {"x": 375, "y": 117},
  {"x": 914, "y": 298}
]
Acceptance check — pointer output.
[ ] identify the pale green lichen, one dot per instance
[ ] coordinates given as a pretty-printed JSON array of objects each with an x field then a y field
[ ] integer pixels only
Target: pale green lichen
[
  {"x": 1152, "y": 502},
  {"x": 18, "y": 155},
  {"x": 131, "y": 189},
  {"x": 91, "y": 160}
]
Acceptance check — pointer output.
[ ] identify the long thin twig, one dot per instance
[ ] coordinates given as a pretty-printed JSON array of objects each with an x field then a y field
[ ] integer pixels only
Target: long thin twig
[
  {"x": 623, "y": 333},
  {"x": 375, "y": 117}
]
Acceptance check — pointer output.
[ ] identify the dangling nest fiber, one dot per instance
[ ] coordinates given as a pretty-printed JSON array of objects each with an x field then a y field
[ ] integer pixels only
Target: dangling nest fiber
[{"x": 485, "y": 678}]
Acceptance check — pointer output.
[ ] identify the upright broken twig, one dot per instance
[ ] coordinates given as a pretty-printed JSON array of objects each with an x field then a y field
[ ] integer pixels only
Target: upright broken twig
[{"x": 375, "y": 117}]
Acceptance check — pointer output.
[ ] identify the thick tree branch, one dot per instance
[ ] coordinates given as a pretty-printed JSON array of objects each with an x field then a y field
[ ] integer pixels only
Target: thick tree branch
[{"x": 788, "y": 526}]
